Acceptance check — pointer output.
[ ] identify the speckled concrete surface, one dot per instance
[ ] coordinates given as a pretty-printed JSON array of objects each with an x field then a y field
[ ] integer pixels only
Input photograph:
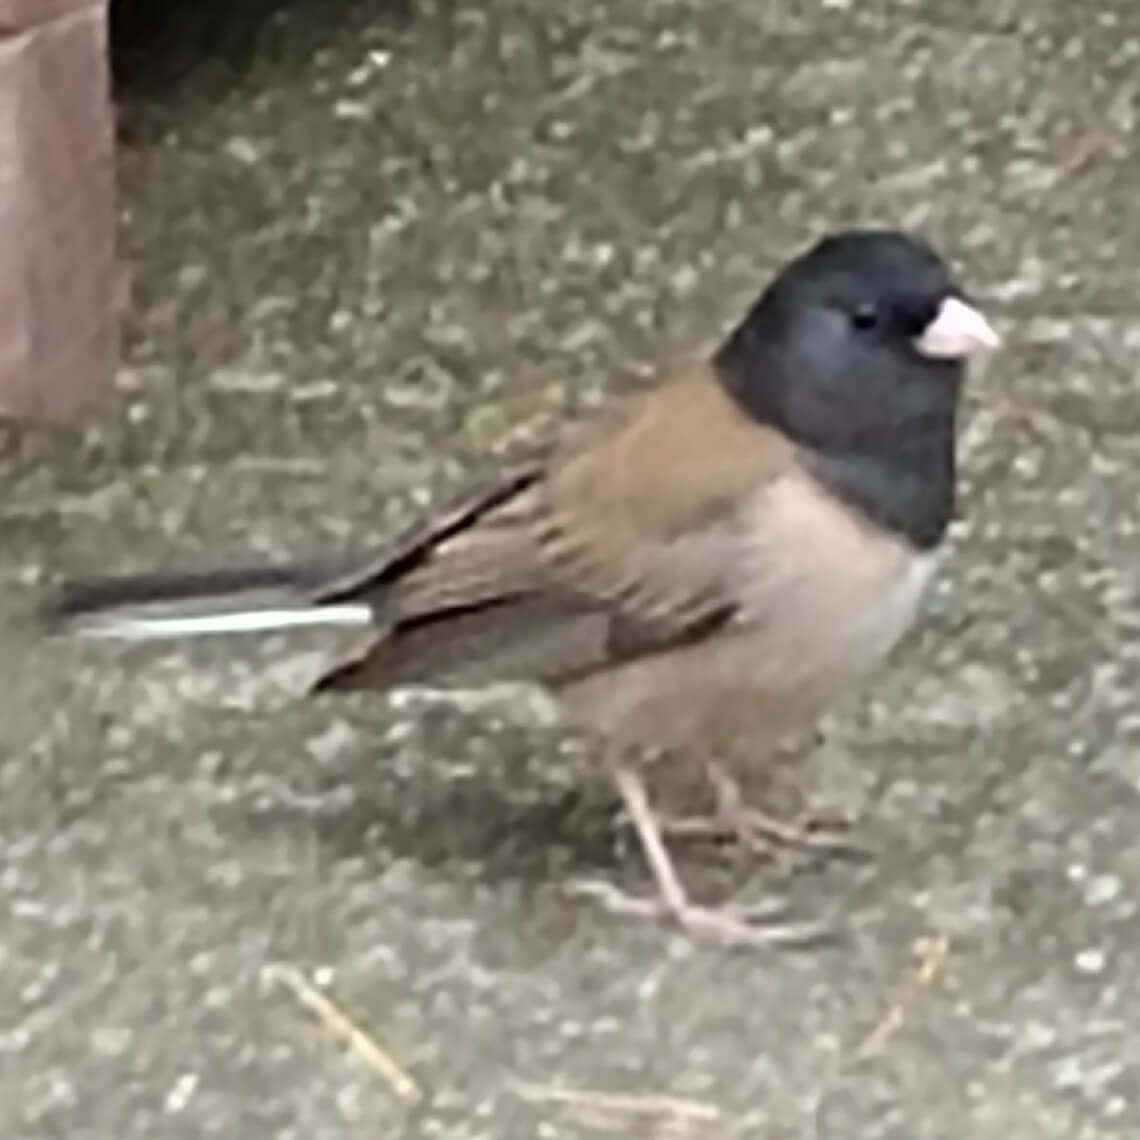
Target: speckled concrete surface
[{"x": 357, "y": 271}]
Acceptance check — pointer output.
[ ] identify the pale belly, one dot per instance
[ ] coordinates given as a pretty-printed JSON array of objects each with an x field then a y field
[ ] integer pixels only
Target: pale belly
[{"x": 822, "y": 603}]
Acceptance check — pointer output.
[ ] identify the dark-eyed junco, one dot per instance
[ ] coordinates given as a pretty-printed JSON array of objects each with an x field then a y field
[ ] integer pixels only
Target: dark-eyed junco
[{"x": 696, "y": 572}]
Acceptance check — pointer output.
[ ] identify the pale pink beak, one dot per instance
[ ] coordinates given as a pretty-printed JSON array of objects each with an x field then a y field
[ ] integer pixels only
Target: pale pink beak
[{"x": 957, "y": 332}]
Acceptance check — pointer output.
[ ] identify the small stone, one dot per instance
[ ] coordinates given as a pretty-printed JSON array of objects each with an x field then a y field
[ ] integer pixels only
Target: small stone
[
  {"x": 180, "y": 1092},
  {"x": 1102, "y": 889},
  {"x": 243, "y": 150},
  {"x": 1091, "y": 961}
]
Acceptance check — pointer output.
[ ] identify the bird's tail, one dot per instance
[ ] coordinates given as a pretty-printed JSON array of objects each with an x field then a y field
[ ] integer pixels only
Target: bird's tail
[{"x": 188, "y": 604}]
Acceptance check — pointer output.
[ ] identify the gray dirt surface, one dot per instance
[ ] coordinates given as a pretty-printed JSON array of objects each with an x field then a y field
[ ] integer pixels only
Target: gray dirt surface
[{"x": 392, "y": 246}]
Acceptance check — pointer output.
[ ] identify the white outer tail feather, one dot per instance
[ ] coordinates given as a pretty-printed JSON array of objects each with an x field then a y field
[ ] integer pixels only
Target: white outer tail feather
[{"x": 138, "y": 627}]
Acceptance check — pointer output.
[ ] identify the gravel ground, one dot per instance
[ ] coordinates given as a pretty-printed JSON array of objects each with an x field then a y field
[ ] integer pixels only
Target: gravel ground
[{"x": 357, "y": 269}]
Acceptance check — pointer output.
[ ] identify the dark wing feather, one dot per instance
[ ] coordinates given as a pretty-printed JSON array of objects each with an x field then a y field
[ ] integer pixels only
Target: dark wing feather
[
  {"x": 606, "y": 552},
  {"x": 412, "y": 547}
]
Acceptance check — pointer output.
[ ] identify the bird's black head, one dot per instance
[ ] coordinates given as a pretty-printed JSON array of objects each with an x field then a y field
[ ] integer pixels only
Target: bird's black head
[{"x": 856, "y": 351}]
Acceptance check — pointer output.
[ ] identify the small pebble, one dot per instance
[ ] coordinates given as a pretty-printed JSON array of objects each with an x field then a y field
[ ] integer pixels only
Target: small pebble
[{"x": 1091, "y": 961}]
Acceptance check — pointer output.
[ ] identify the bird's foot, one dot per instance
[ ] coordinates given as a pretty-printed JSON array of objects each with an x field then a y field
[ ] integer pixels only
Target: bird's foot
[
  {"x": 756, "y": 926},
  {"x": 757, "y": 830},
  {"x": 759, "y": 925}
]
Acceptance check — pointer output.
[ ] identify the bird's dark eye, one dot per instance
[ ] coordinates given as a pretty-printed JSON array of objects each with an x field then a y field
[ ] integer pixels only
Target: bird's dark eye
[{"x": 865, "y": 316}]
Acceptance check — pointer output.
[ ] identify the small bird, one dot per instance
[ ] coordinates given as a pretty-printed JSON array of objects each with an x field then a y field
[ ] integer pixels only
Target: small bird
[{"x": 697, "y": 571}]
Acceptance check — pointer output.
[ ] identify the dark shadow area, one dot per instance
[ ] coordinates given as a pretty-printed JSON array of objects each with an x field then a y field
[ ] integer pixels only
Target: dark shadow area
[
  {"x": 550, "y": 843},
  {"x": 443, "y": 823},
  {"x": 156, "y": 46},
  {"x": 506, "y": 820},
  {"x": 501, "y": 817}
]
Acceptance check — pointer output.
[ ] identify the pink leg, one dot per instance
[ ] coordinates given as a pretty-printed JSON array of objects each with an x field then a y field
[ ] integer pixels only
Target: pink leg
[{"x": 752, "y": 926}]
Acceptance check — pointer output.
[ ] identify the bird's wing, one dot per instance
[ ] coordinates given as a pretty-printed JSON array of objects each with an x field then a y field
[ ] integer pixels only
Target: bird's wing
[{"x": 617, "y": 545}]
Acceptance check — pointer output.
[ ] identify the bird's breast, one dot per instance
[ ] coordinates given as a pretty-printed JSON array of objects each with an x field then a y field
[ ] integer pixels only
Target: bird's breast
[
  {"x": 821, "y": 598},
  {"x": 820, "y": 587}
]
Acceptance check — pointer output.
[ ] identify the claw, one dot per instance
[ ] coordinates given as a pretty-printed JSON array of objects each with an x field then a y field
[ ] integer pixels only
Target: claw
[
  {"x": 757, "y": 830},
  {"x": 753, "y": 925},
  {"x": 758, "y": 925}
]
